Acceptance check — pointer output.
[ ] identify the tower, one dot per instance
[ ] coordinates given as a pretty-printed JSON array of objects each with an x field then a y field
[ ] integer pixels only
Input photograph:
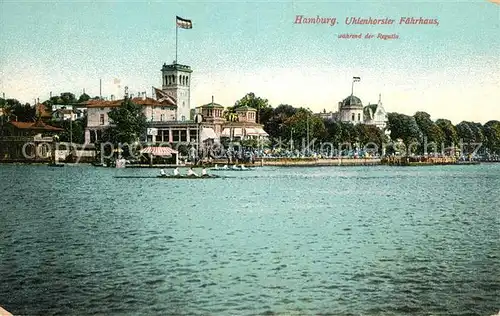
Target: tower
[{"x": 177, "y": 83}]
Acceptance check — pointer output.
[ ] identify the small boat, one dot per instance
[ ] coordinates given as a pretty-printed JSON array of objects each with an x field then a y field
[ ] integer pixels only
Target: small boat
[
  {"x": 232, "y": 169},
  {"x": 208, "y": 176}
]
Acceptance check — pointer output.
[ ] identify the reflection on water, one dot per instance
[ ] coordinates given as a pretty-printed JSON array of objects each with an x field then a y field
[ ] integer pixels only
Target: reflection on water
[{"x": 341, "y": 240}]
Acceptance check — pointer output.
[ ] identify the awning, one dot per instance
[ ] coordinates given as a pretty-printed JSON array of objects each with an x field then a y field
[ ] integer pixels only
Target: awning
[
  {"x": 226, "y": 132},
  {"x": 251, "y": 131},
  {"x": 261, "y": 132},
  {"x": 237, "y": 132},
  {"x": 159, "y": 151},
  {"x": 208, "y": 133}
]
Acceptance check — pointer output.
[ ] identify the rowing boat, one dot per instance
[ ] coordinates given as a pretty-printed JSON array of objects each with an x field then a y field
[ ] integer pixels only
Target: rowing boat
[
  {"x": 231, "y": 169},
  {"x": 212, "y": 176}
]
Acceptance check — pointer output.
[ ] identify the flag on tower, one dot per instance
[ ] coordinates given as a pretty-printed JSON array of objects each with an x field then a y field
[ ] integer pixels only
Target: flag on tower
[
  {"x": 183, "y": 23},
  {"x": 356, "y": 79}
]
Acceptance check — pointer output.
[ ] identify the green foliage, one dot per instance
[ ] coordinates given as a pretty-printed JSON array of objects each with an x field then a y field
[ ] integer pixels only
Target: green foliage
[
  {"x": 84, "y": 97},
  {"x": 403, "y": 127},
  {"x": 304, "y": 122},
  {"x": 491, "y": 131},
  {"x": 465, "y": 132},
  {"x": 449, "y": 131},
  {"x": 252, "y": 101},
  {"x": 18, "y": 111},
  {"x": 129, "y": 123},
  {"x": 274, "y": 120},
  {"x": 370, "y": 134},
  {"x": 73, "y": 131}
]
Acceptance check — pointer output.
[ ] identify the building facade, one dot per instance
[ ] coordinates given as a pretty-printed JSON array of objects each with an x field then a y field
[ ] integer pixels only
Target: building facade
[
  {"x": 351, "y": 110},
  {"x": 98, "y": 114},
  {"x": 176, "y": 83}
]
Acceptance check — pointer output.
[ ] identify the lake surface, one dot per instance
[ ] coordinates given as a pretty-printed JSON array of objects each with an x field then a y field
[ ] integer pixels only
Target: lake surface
[{"x": 284, "y": 241}]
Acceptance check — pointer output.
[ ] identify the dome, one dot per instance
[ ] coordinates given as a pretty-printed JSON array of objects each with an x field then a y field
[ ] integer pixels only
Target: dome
[{"x": 352, "y": 101}]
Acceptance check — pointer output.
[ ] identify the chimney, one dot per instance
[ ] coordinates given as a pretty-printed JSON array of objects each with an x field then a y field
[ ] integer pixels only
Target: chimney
[
  {"x": 112, "y": 97},
  {"x": 144, "y": 95},
  {"x": 212, "y": 100}
]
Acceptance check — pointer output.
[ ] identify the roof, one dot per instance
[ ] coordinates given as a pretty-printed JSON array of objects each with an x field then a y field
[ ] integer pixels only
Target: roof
[
  {"x": 35, "y": 126},
  {"x": 117, "y": 103},
  {"x": 352, "y": 101},
  {"x": 366, "y": 110},
  {"x": 159, "y": 151},
  {"x": 245, "y": 108},
  {"x": 212, "y": 105},
  {"x": 63, "y": 111}
]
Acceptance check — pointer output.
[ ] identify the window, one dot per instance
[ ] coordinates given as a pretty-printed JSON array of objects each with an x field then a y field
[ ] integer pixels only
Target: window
[
  {"x": 359, "y": 116},
  {"x": 184, "y": 136},
  {"x": 101, "y": 119},
  {"x": 353, "y": 116},
  {"x": 175, "y": 135},
  {"x": 162, "y": 117},
  {"x": 183, "y": 118}
]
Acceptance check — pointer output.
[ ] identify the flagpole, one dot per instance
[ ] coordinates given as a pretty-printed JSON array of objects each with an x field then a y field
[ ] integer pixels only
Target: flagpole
[{"x": 176, "y": 35}]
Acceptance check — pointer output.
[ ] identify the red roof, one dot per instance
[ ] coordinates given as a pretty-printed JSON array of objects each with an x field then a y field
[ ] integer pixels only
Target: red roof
[{"x": 36, "y": 126}]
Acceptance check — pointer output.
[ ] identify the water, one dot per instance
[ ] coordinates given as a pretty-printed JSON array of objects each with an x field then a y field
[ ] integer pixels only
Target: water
[{"x": 299, "y": 241}]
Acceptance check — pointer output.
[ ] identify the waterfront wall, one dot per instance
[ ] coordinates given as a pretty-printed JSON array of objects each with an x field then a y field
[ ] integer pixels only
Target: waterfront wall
[{"x": 290, "y": 162}]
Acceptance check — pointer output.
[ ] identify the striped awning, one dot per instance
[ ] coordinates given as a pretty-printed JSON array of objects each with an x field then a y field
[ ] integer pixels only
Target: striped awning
[
  {"x": 159, "y": 151},
  {"x": 251, "y": 131}
]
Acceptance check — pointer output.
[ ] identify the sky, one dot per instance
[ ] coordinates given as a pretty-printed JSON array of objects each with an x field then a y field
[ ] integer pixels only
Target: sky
[{"x": 450, "y": 70}]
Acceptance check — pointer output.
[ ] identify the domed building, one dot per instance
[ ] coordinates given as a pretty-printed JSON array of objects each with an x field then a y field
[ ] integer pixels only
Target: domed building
[{"x": 351, "y": 110}]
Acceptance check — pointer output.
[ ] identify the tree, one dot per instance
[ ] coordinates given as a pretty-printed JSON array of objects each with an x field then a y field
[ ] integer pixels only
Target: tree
[
  {"x": 274, "y": 125},
  {"x": 464, "y": 132},
  {"x": 333, "y": 132},
  {"x": 67, "y": 98},
  {"x": 20, "y": 112},
  {"x": 129, "y": 123},
  {"x": 84, "y": 97},
  {"x": 370, "y": 134},
  {"x": 403, "y": 127},
  {"x": 449, "y": 132},
  {"x": 491, "y": 132},
  {"x": 303, "y": 124},
  {"x": 252, "y": 101},
  {"x": 431, "y": 132}
]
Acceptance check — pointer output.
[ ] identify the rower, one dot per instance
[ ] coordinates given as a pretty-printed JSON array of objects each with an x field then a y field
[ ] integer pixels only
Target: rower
[
  {"x": 216, "y": 167},
  {"x": 162, "y": 173},
  {"x": 176, "y": 171},
  {"x": 243, "y": 167},
  {"x": 204, "y": 172},
  {"x": 225, "y": 167},
  {"x": 235, "y": 166},
  {"x": 191, "y": 173}
]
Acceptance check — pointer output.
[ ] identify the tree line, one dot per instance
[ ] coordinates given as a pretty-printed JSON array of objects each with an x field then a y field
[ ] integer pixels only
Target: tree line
[{"x": 286, "y": 122}]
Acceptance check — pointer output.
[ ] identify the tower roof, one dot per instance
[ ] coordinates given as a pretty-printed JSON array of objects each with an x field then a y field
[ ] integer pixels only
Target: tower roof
[
  {"x": 176, "y": 66},
  {"x": 352, "y": 101}
]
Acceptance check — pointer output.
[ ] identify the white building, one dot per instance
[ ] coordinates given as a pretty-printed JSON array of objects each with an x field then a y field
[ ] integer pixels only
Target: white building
[
  {"x": 375, "y": 114},
  {"x": 176, "y": 83},
  {"x": 351, "y": 110},
  {"x": 98, "y": 114}
]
